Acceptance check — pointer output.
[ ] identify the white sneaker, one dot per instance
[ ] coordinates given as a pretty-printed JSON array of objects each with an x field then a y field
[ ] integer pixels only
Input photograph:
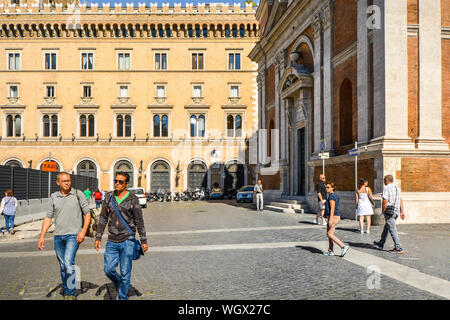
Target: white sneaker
[
  {"x": 316, "y": 221},
  {"x": 324, "y": 223},
  {"x": 361, "y": 231},
  {"x": 368, "y": 232}
]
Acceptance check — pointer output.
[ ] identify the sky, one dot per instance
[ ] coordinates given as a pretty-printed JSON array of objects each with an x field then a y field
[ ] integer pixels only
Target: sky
[{"x": 171, "y": 2}]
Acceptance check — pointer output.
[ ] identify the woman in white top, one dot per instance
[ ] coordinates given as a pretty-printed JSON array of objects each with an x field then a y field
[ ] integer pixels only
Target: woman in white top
[{"x": 364, "y": 205}]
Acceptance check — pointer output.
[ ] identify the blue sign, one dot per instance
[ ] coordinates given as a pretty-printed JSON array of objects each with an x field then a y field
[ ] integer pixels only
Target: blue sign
[
  {"x": 353, "y": 153},
  {"x": 322, "y": 145}
]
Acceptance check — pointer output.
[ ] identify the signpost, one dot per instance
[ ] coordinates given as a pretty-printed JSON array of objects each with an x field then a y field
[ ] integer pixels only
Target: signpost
[
  {"x": 355, "y": 153},
  {"x": 323, "y": 155}
]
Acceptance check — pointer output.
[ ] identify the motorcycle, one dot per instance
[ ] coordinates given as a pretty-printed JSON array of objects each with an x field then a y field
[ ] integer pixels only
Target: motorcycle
[{"x": 168, "y": 196}]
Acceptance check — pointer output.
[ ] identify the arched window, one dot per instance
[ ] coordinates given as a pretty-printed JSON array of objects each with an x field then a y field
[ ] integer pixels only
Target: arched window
[
  {"x": 54, "y": 125},
  {"x": 128, "y": 125},
  {"x": 346, "y": 114},
  {"x": 201, "y": 126},
  {"x": 156, "y": 126},
  {"x": 238, "y": 127},
  {"x": 9, "y": 126},
  {"x": 87, "y": 168},
  {"x": 230, "y": 126},
  {"x": 234, "y": 32},
  {"x": 197, "y": 175},
  {"x": 205, "y": 32},
  {"x": 193, "y": 126},
  {"x": 165, "y": 126},
  {"x": 91, "y": 124},
  {"x": 83, "y": 125},
  {"x": 46, "y": 125},
  {"x": 120, "y": 125},
  {"x": 161, "y": 32}
]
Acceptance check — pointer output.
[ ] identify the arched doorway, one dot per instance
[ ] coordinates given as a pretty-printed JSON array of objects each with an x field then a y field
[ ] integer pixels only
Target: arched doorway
[
  {"x": 87, "y": 168},
  {"x": 197, "y": 176},
  {"x": 126, "y": 167},
  {"x": 160, "y": 176},
  {"x": 234, "y": 175},
  {"x": 13, "y": 163}
]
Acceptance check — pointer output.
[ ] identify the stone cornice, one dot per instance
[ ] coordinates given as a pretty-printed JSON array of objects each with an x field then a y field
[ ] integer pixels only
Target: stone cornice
[
  {"x": 197, "y": 106},
  {"x": 345, "y": 55},
  {"x": 160, "y": 106},
  {"x": 12, "y": 106}
]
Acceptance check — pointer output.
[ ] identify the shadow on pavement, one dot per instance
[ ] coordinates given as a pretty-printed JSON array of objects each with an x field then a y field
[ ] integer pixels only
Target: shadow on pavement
[
  {"x": 112, "y": 293},
  {"x": 85, "y": 287},
  {"x": 310, "y": 249},
  {"x": 355, "y": 230},
  {"x": 362, "y": 245}
]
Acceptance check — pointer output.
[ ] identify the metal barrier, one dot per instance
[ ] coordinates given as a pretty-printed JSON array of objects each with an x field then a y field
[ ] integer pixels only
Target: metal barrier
[{"x": 27, "y": 184}]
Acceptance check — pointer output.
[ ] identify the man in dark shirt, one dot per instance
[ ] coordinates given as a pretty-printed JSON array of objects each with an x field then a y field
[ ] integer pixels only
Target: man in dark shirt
[
  {"x": 322, "y": 197},
  {"x": 119, "y": 247}
]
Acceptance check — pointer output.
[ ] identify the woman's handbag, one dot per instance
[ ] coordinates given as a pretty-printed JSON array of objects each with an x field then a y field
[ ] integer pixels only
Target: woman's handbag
[
  {"x": 371, "y": 200},
  {"x": 138, "y": 252},
  {"x": 92, "y": 229}
]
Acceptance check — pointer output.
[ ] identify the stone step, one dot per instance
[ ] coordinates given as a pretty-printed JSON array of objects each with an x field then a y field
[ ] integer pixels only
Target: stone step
[
  {"x": 283, "y": 210},
  {"x": 285, "y": 205}
]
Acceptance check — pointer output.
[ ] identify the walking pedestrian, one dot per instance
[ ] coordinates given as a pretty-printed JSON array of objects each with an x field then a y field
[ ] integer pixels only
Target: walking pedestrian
[
  {"x": 8, "y": 208},
  {"x": 392, "y": 207},
  {"x": 67, "y": 207},
  {"x": 119, "y": 248},
  {"x": 322, "y": 198},
  {"x": 98, "y": 199},
  {"x": 334, "y": 216},
  {"x": 364, "y": 205},
  {"x": 258, "y": 189},
  {"x": 88, "y": 195}
]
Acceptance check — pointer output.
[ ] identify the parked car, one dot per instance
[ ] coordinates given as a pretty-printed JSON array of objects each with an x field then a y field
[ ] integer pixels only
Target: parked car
[
  {"x": 216, "y": 193},
  {"x": 245, "y": 194},
  {"x": 140, "y": 193}
]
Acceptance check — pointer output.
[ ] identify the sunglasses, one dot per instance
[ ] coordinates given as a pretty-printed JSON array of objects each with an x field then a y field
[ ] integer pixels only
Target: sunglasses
[
  {"x": 329, "y": 187},
  {"x": 119, "y": 181}
]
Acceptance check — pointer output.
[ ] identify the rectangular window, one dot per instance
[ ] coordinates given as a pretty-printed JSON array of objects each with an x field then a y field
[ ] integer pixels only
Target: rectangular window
[
  {"x": 13, "y": 61},
  {"x": 197, "y": 61},
  {"x": 87, "y": 61},
  {"x": 124, "y": 61},
  {"x": 50, "y": 91},
  {"x": 161, "y": 61},
  {"x": 13, "y": 91},
  {"x": 87, "y": 93},
  {"x": 234, "y": 91},
  {"x": 234, "y": 61},
  {"x": 50, "y": 61},
  {"x": 197, "y": 92},
  {"x": 161, "y": 91},
  {"x": 124, "y": 91}
]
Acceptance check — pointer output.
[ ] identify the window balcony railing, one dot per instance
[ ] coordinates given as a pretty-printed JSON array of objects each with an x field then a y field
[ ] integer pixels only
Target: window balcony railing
[
  {"x": 49, "y": 100},
  {"x": 13, "y": 100},
  {"x": 197, "y": 100},
  {"x": 123, "y": 100},
  {"x": 161, "y": 100},
  {"x": 234, "y": 100},
  {"x": 86, "y": 100}
]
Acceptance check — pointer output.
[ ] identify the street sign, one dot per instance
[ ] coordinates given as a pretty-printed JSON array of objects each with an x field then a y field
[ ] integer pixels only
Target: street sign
[
  {"x": 322, "y": 145},
  {"x": 50, "y": 166},
  {"x": 353, "y": 153},
  {"x": 324, "y": 155}
]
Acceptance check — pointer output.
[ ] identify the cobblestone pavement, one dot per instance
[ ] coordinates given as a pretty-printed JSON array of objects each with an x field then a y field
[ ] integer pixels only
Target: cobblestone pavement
[{"x": 247, "y": 269}]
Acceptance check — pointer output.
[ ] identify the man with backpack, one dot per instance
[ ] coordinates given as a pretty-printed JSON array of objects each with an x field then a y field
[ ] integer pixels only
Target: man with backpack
[
  {"x": 123, "y": 214},
  {"x": 72, "y": 217}
]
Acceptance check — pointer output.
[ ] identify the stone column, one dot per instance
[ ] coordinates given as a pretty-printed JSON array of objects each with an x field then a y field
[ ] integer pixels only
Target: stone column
[
  {"x": 430, "y": 76},
  {"x": 391, "y": 117},
  {"x": 317, "y": 28},
  {"x": 278, "y": 67},
  {"x": 325, "y": 15},
  {"x": 363, "y": 74}
]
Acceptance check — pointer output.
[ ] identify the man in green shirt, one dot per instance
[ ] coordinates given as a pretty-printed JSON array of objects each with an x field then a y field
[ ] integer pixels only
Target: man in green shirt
[{"x": 88, "y": 194}]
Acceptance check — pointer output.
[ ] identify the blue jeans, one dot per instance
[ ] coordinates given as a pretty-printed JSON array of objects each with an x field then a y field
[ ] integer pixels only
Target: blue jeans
[
  {"x": 98, "y": 203},
  {"x": 9, "y": 222},
  {"x": 66, "y": 248},
  {"x": 119, "y": 252}
]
